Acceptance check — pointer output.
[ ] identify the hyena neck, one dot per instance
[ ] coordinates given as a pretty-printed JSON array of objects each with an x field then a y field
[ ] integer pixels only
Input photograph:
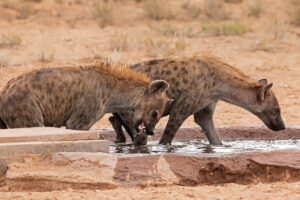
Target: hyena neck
[
  {"x": 125, "y": 97},
  {"x": 242, "y": 93},
  {"x": 126, "y": 86}
]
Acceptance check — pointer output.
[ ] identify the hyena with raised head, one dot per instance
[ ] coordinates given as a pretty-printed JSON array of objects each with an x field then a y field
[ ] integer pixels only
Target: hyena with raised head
[
  {"x": 77, "y": 97},
  {"x": 196, "y": 85}
]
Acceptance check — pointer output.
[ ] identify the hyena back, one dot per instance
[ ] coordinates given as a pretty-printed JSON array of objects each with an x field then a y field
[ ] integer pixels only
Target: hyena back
[
  {"x": 196, "y": 85},
  {"x": 77, "y": 97}
]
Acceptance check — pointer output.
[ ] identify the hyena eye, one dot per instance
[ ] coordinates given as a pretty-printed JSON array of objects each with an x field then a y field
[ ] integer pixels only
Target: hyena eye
[
  {"x": 276, "y": 110},
  {"x": 154, "y": 115}
]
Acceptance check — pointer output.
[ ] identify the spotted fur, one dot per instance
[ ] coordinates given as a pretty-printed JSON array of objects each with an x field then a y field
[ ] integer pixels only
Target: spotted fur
[
  {"x": 77, "y": 97},
  {"x": 196, "y": 85}
]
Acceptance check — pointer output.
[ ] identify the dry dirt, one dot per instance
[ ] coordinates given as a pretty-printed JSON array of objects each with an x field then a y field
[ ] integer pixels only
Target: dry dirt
[
  {"x": 37, "y": 34},
  {"x": 260, "y": 191}
]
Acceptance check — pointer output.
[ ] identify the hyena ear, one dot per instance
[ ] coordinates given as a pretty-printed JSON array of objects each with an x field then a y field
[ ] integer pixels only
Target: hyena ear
[
  {"x": 263, "y": 91},
  {"x": 168, "y": 107},
  {"x": 157, "y": 87},
  {"x": 263, "y": 81}
]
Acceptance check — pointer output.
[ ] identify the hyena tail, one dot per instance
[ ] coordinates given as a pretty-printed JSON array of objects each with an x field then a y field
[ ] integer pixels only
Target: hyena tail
[{"x": 2, "y": 124}]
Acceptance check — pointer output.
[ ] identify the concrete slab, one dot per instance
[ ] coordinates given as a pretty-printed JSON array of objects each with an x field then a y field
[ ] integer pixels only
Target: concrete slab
[
  {"x": 22, "y": 148},
  {"x": 45, "y": 134}
]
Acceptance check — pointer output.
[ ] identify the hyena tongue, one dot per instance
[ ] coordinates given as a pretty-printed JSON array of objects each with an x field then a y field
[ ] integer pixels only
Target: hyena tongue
[{"x": 141, "y": 128}]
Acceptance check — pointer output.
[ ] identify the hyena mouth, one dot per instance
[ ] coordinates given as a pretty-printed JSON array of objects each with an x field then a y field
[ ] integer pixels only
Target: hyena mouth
[{"x": 141, "y": 128}]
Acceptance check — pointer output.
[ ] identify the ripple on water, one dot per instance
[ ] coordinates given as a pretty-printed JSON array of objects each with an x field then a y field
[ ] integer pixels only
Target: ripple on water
[{"x": 203, "y": 147}]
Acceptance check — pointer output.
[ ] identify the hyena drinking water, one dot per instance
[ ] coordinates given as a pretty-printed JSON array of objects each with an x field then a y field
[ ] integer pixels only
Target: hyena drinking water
[
  {"x": 196, "y": 85},
  {"x": 77, "y": 97}
]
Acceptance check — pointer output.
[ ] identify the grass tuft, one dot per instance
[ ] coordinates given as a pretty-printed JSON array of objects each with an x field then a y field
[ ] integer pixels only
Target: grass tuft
[
  {"x": 104, "y": 15},
  {"x": 119, "y": 42},
  {"x": 234, "y": 1},
  {"x": 166, "y": 28},
  {"x": 269, "y": 38},
  {"x": 24, "y": 12},
  {"x": 157, "y": 9},
  {"x": 193, "y": 10},
  {"x": 224, "y": 28},
  {"x": 255, "y": 8},
  {"x": 296, "y": 17},
  {"x": 215, "y": 9},
  {"x": 46, "y": 56},
  {"x": 10, "y": 41},
  {"x": 162, "y": 48}
]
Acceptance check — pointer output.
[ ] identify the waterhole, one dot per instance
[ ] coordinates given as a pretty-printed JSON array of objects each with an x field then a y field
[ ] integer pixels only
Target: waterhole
[{"x": 203, "y": 147}]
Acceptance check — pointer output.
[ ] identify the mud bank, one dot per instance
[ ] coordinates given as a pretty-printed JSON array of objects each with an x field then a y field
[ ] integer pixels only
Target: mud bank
[
  {"x": 225, "y": 133},
  {"x": 101, "y": 171}
]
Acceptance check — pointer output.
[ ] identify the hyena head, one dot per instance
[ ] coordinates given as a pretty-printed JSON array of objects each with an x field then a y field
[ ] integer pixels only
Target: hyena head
[
  {"x": 268, "y": 107},
  {"x": 151, "y": 108}
]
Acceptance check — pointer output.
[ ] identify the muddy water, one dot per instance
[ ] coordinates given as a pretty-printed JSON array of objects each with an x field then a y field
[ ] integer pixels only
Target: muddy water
[{"x": 202, "y": 147}]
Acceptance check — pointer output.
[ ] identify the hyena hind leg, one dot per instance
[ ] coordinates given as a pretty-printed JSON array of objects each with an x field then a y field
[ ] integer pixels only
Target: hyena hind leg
[{"x": 204, "y": 118}]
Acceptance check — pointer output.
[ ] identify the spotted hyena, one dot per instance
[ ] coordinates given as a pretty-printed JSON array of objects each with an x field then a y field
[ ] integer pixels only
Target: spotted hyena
[
  {"x": 77, "y": 97},
  {"x": 196, "y": 85}
]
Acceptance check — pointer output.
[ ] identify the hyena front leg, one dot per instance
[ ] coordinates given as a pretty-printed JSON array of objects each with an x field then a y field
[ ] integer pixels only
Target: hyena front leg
[
  {"x": 123, "y": 119},
  {"x": 116, "y": 124},
  {"x": 180, "y": 111},
  {"x": 205, "y": 119}
]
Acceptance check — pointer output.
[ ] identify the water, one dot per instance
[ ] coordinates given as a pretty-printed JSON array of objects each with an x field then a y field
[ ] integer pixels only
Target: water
[{"x": 203, "y": 147}]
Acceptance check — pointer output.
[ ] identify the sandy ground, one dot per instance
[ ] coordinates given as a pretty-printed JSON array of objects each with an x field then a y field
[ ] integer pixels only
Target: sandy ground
[
  {"x": 267, "y": 191},
  {"x": 57, "y": 33}
]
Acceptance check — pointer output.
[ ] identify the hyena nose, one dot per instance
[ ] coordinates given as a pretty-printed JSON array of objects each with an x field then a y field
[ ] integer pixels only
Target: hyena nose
[{"x": 282, "y": 127}]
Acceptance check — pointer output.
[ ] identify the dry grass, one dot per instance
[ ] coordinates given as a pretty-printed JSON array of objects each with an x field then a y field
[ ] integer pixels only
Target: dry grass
[
  {"x": 161, "y": 47},
  {"x": 104, "y": 14},
  {"x": 167, "y": 28},
  {"x": 10, "y": 4},
  {"x": 215, "y": 9},
  {"x": 296, "y": 16},
  {"x": 119, "y": 41},
  {"x": 35, "y": 1},
  {"x": 4, "y": 59},
  {"x": 46, "y": 55},
  {"x": 24, "y": 12},
  {"x": 194, "y": 10},
  {"x": 224, "y": 28},
  {"x": 72, "y": 22},
  {"x": 254, "y": 8},
  {"x": 234, "y": 1},
  {"x": 10, "y": 41},
  {"x": 269, "y": 38},
  {"x": 158, "y": 9}
]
